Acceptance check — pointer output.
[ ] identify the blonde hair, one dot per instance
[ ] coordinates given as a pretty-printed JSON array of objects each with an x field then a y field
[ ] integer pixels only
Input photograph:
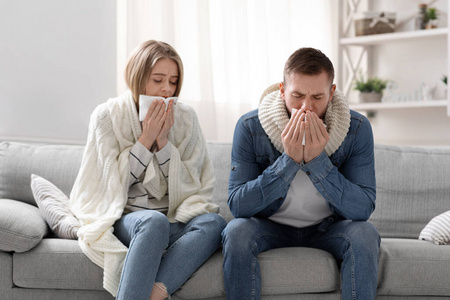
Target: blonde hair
[{"x": 141, "y": 62}]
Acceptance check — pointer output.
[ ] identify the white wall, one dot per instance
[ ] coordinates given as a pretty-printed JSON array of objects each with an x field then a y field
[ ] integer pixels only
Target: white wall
[{"x": 57, "y": 62}]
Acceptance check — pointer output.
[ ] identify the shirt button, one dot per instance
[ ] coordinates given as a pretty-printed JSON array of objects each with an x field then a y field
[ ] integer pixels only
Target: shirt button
[{"x": 308, "y": 173}]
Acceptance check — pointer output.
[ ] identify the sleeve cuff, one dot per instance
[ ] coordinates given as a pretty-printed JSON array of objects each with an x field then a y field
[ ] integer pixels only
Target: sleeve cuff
[
  {"x": 141, "y": 153},
  {"x": 286, "y": 167},
  {"x": 163, "y": 155},
  {"x": 318, "y": 168}
]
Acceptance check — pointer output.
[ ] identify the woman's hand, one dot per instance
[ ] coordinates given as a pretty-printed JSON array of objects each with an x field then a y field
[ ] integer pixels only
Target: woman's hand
[
  {"x": 161, "y": 140},
  {"x": 152, "y": 124}
]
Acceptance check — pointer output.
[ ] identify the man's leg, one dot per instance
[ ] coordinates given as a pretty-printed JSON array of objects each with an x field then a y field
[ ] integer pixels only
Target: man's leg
[
  {"x": 357, "y": 244},
  {"x": 243, "y": 239}
]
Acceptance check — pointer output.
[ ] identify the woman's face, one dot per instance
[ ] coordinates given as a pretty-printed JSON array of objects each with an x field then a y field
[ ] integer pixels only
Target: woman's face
[{"x": 163, "y": 79}]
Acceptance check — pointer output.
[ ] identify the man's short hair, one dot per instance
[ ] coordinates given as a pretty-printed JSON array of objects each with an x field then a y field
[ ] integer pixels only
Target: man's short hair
[{"x": 308, "y": 61}]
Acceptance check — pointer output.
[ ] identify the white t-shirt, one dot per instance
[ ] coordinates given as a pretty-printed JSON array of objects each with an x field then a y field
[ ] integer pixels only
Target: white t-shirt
[{"x": 304, "y": 206}]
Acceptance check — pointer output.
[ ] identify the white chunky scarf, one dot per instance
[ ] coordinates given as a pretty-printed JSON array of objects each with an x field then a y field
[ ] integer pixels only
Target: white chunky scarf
[{"x": 274, "y": 118}]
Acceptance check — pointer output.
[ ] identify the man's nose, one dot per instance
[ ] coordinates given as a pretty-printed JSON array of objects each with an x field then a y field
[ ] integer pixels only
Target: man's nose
[{"x": 307, "y": 104}]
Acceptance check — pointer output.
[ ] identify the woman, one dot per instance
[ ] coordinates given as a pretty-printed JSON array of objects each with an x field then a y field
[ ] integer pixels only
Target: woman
[{"x": 143, "y": 190}]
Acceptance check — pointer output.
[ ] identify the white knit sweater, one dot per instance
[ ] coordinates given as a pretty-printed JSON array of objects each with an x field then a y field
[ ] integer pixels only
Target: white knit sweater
[{"x": 100, "y": 191}]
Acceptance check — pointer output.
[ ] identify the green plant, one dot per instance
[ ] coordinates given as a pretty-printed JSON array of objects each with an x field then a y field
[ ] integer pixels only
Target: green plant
[
  {"x": 431, "y": 14},
  {"x": 444, "y": 79},
  {"x": 374, "y": 84}
]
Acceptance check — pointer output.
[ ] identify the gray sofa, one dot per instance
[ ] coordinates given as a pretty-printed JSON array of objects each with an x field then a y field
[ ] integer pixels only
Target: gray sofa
[{"x": 413, "y": 186}]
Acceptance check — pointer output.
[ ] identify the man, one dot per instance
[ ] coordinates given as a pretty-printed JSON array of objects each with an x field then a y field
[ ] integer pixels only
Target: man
[{"x": 302, "y": 175}]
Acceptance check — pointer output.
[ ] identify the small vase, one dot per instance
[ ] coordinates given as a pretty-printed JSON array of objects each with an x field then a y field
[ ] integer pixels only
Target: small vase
[
  {"x": 431, "y": 24},
  {"x": 369, "y": 97}
]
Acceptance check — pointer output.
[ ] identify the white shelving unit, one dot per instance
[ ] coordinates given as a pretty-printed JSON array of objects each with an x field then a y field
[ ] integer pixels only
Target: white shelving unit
[
  {"x": 356, "y": 53},
  {"x": 378, "y": 39},
  {"x": 395, "y": 105}
]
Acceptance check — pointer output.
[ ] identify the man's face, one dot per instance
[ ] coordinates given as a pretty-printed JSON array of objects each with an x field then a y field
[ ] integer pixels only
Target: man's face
[{"x": 307, "y": 92}]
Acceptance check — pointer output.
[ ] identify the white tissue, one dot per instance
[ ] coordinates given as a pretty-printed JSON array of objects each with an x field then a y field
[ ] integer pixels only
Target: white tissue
[
  {"x": 145, "y": 102},
  {"x": 304, "y": 133}
]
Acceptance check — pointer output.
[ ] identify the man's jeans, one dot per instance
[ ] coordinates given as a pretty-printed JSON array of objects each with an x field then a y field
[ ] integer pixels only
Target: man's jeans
[
  {"x": 148, "y": 233},
  {"x": 356, "y": 244}
]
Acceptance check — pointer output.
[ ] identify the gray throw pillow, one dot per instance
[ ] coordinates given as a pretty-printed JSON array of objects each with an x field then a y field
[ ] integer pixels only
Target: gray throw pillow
[
  {"x": 54, "y": 207},
  {"x": 21, "y": 226},
  {"x": 437, "y": 231}
]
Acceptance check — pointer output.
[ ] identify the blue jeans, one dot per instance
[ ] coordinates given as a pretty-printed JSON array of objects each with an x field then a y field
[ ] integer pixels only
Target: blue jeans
[
  {"x": 354, "y": 243},
  {"x": 165, "y": 252}
]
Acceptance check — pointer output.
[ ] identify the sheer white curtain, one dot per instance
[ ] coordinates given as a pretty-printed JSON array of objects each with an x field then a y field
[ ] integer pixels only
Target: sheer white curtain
[{"x": 231, "y": 49}]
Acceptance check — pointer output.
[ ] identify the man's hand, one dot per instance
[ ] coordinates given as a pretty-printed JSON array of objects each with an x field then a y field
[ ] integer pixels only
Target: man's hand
[
  {"x": 161, "y": 140},
  {"x": 316, "y": 137},
  {"x": 292, "y": 135},
  {"x": 152, "y": 124}
]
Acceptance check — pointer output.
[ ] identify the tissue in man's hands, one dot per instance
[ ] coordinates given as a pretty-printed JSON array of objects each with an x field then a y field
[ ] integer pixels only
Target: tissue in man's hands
[{"x": 145, "y": 102}]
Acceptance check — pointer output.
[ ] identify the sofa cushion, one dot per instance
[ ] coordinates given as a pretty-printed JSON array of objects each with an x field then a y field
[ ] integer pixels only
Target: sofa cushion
[
  {"x": 283, "y": 271},
  {"x": 220, "y": 154},
  {"x": 437, "y": 230},
  {"x": 54, "y": 207},
  {"x": 21, "y": 226},
  {"x": 413, "y": 267},
  {"x": 6, "y": 275},
  {"x": 56, "y": 264},
  {"x": 57, "y": 163},
  {"x": 413, "y": 186}
]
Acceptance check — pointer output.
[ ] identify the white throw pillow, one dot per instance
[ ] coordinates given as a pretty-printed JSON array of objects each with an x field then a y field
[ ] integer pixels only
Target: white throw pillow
[
  {"x": 437, "y": 230},
  {"x": 54, "y": 207}
]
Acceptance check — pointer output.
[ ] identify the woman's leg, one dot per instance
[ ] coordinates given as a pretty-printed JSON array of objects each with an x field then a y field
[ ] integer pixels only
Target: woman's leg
[
  {"x": 191, "y": 245},
  {"x": 146, "y": 233}
]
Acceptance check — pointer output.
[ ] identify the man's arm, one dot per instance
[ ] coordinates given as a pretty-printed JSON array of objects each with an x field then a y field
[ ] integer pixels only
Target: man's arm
[
  {"x": 350, "y": 191},
  {"x": 250, "y": 188}
]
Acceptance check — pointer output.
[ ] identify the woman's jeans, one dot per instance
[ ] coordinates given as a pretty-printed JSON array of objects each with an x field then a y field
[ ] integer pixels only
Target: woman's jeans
[
  {"x": 356, "y": 244},
  {"x": 165, "y": 252}
]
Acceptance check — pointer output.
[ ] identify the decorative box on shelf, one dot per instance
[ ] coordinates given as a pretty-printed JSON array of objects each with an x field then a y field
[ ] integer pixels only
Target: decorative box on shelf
[{"x": 370, "y": 22}]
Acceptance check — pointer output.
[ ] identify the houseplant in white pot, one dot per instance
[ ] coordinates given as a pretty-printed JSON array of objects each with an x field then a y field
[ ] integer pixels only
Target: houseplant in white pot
[
  {"x": 431, "y": 18},
  {"x": 370, "y": 90}
]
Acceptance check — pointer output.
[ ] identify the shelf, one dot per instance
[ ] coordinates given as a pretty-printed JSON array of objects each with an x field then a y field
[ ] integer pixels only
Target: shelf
[
  {"x": 395, "y": 105},
  {"x": 376, "y": 39}
]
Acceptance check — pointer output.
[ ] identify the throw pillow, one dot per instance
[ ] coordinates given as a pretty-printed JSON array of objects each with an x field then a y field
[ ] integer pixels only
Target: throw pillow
[
  {"x": 437, "y": 230},
  {"x": 54, "y": 207},
  {"x": 21, "y": 226}
]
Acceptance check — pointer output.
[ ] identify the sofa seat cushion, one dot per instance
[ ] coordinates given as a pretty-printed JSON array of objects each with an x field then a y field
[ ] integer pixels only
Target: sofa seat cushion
[
  {"x": 413, "y": 267},
  {"x": 283, "y": 271},
  {"x": 22, "y": 226},
  {"x": 56, "y": 264}
]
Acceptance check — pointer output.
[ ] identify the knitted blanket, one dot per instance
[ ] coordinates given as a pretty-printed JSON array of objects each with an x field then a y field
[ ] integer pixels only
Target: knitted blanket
[
  {"x": 100, "y": 191},
  {"x": 274, "y": 118}
]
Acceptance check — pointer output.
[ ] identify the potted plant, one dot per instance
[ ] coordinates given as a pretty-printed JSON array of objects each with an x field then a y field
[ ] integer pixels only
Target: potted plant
[
  {"x": 370, "y": 90},
  {"x": 431, "y": 18}
]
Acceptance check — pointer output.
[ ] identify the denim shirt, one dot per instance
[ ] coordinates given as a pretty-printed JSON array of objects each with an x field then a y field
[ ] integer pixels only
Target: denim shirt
[{"x": 260, "y": 175}]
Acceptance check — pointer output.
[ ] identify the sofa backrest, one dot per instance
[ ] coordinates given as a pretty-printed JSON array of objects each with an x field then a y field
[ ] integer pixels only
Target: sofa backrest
[
  {"x": 57, "y": 163},
  {"x": 413, "y": 184},
  {"x": 60, "y": 164}
]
